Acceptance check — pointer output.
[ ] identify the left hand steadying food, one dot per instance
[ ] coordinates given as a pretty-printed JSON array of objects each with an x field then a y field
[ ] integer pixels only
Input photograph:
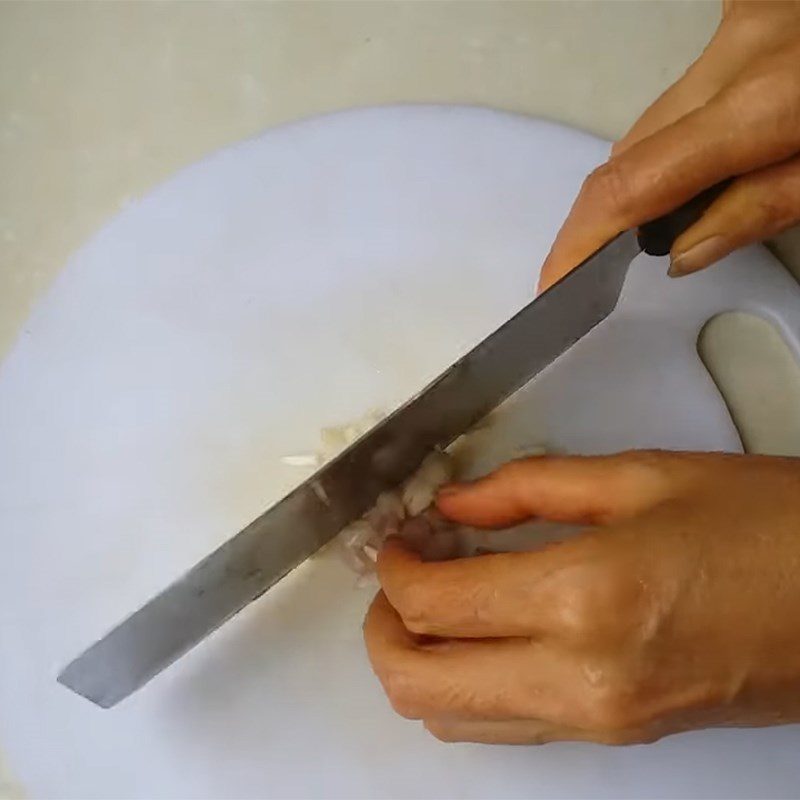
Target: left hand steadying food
[{"x": 678, "y": 607}]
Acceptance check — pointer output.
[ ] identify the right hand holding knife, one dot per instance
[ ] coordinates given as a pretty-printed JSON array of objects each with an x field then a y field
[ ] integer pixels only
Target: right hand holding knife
[{"x": 734, "y": 114}]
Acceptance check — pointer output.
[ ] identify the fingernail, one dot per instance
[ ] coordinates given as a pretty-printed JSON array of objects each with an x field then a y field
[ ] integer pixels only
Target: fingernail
[
  {"x": 700, "y": 255},
  {"x": 450, "y": 489}
]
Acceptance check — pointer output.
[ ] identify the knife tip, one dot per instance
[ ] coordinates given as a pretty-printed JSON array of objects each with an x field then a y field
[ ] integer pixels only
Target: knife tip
[{"x": 73, "y": 678}]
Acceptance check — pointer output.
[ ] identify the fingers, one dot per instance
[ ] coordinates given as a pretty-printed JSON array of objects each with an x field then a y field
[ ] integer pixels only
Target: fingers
[
  {"x": 532, "y": 593},
  {"x": 503, "y": 594},
  {"x": 732, "y": 49},
  {"x": 459, "y": 687},
  {"x": 499, "y": 679},
  {"x": 574, "y": 489},
  {"x": 747, "y": 126},
  {"x": 755, "y": 207},
  {"x": 700, "y": 83}
]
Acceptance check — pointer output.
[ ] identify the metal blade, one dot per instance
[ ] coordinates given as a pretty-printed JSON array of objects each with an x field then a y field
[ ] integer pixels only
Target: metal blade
[{"x": 248, "y": 564}]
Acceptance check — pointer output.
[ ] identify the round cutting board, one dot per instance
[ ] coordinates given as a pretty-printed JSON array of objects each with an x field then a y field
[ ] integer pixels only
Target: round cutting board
[{"x": 285, "y": 284}]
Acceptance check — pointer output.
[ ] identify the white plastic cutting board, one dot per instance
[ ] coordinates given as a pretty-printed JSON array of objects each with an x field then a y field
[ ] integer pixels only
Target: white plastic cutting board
[{"x": 288, "y": 283}]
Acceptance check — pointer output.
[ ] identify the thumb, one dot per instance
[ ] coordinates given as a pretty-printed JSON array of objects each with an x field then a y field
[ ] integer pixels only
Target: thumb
[{"x": 577, "y": 489}]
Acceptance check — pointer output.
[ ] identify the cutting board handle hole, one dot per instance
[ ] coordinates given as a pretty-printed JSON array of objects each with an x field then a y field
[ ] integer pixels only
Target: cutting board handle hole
[{"x": 758, "y": 376}]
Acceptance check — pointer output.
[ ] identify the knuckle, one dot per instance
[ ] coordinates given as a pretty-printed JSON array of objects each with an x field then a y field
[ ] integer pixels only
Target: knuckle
[
  {"x": 776, "y": 207},
  {"x": 515, "y": 473},
  {"x": 746, "y": 90},
  {"x": 770, "y": 94},
  {"x": 399, "y": 688},
  {"x": 511, "y": 470},
  {"x": 643, "y": 475},
  {"x": 578, "y": 611},
  {"x": 414, "y": 608},
  {"x": 764, "y": 202},
  {"x": 609, "y": 186},
  {"x": 645, "y": 466},
  {"x": 609, "y": 709},
  {"x": 602, "y": 603}
]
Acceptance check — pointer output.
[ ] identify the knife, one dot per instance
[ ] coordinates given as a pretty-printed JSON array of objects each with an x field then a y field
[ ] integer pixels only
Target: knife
[{"x": 245, "y": 566}]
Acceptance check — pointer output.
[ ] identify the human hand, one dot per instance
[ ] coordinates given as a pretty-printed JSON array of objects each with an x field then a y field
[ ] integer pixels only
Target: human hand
[
  {"x": 736, "y": 112},
  {"x": 677, "y": 608}
]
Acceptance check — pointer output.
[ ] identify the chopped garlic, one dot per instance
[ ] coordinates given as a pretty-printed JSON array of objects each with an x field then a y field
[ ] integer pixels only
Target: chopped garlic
[
  {"x": 420, "y": 489},
  {"x": 301, "y": 460},
  {"x": 371, "y": 552},
  {"x": 334, "y": 440},
  {"x": 389, "y": 504},
  {"x": 405, "y": 511},
  {"x": 319, "y": 491}
]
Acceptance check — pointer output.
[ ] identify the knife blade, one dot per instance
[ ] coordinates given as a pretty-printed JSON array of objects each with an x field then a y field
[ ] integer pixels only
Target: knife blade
[
  {"x": 294, "y": 528},
  {"x": 252, "y": 561}
]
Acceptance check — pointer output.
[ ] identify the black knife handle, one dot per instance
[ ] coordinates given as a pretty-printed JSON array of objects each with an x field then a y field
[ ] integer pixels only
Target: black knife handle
[{"x": 656, "y": 237}]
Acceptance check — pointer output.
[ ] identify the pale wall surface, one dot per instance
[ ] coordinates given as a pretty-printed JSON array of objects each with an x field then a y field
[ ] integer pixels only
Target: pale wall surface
[{"x": 100, "y": 101}]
